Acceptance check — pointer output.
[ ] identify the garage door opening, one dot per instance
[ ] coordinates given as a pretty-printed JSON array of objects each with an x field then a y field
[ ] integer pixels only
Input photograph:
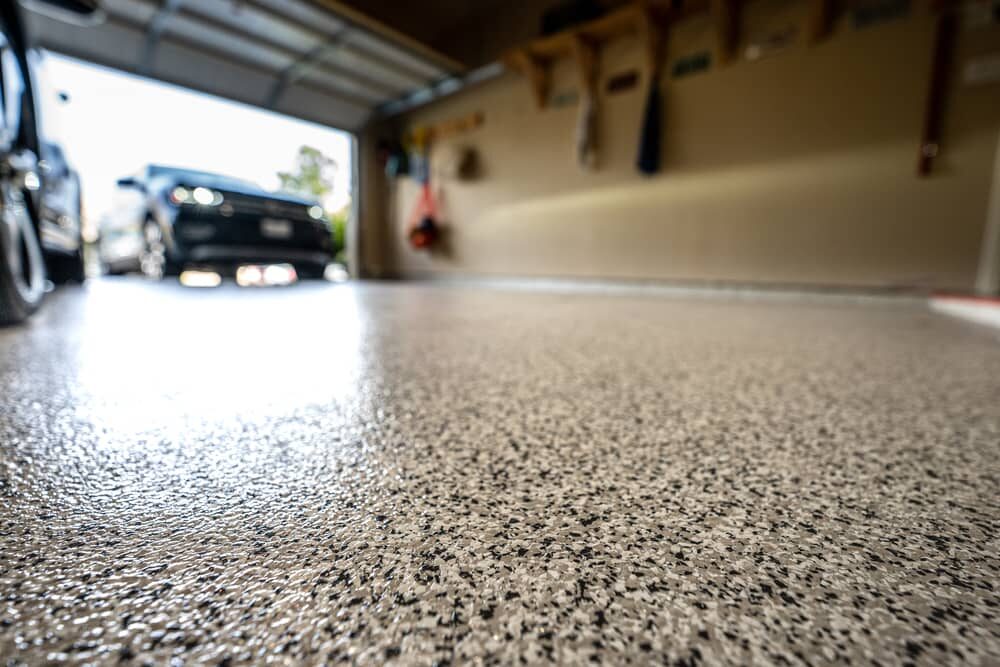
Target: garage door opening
[{"x": 176, "y": 183}]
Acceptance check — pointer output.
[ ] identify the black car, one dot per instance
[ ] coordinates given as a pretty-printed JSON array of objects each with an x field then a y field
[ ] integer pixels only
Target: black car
[
  {"x": 168, "y": 219},
  {"x": 39, "y": 236}
]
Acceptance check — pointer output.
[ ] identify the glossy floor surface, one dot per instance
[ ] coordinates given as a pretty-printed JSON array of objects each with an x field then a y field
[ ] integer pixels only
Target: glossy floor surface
[{"x": 430, "y": 474}]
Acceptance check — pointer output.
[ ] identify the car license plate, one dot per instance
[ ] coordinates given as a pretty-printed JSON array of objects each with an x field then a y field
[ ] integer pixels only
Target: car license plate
[{"x": 276, "y": 229}]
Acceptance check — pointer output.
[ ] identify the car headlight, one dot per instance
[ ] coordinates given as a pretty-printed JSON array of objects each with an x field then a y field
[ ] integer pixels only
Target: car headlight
[
  {"x": 317, "y": 212},
  {"x": 207, "y": 197},
  {"x": 180, "y": 195},
  {"x": 199, "y": 196}
]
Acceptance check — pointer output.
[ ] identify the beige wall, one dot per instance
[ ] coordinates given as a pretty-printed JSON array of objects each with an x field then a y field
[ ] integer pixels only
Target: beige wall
[{"x": 799, "y": 168}]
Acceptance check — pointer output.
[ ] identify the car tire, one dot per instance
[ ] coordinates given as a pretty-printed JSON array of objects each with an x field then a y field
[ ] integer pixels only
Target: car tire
[
  {"x": 154, "y": 261},
  {"x": 22, "y": 264}
]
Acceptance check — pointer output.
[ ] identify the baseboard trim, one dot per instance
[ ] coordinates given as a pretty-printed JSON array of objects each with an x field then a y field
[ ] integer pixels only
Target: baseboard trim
[{"x": 663, "y": 288}]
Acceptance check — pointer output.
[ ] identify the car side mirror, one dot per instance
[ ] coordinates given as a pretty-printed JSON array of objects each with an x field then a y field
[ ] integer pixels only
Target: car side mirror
[{"x": 130, "y": 182}]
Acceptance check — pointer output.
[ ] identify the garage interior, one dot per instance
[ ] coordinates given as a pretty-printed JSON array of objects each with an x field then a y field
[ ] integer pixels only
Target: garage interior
[{"x": 678, "y": 382}]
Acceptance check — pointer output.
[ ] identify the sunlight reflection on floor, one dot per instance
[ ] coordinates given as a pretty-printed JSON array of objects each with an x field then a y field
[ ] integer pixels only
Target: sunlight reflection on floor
[{"x": 150, "y": 354}]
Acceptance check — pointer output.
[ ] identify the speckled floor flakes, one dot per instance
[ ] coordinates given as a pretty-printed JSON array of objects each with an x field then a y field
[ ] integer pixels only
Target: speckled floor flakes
[{"x": 423, "y": 475}]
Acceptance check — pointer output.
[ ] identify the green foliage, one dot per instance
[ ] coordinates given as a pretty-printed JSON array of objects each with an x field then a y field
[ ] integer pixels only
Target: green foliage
[
  {"x": 338, "y": 224},
  {"x": 311, "y": 177}
]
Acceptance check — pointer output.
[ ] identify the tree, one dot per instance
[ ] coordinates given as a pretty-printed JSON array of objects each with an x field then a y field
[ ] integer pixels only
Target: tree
[
  {"x": 312, "y": 179},
  {"x": 312, "y": 175},
  {"x": 338, "y": 225}
]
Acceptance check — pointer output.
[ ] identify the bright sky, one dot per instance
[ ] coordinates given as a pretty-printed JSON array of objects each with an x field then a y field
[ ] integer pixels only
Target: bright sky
[{"x": 114, "y": 123}]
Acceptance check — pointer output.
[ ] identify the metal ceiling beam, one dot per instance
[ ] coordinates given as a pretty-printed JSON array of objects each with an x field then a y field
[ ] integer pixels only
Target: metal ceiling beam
[
  {"x": 155, "y": 30},
  {"x": 302, "y": 65}
]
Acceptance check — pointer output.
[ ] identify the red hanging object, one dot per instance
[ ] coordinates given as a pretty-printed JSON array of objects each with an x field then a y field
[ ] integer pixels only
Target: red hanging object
[{"x": 424, "y": 228}]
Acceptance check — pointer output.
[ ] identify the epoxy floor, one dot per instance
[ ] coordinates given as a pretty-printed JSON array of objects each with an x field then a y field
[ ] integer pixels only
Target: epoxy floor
[{"x": 430, "y": 475}]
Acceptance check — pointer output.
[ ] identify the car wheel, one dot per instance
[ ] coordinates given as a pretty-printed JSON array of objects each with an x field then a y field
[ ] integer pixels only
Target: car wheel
[
  {"x": 22, "y": 265},
  {"x": 153, "y": 260}
]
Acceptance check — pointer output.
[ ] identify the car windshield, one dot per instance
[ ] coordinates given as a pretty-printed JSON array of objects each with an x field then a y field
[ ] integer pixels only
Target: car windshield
[{"x": 195, "y": 177}]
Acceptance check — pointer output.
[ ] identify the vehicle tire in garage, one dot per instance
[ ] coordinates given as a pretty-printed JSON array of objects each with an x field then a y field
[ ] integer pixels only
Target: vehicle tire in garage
[
  {"x": 154, "y": 262},
  {"x": 22, "y": 265}
]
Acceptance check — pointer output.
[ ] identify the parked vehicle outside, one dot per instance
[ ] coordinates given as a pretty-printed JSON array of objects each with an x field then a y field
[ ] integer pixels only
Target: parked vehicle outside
[{"x": 168, "y": 219}]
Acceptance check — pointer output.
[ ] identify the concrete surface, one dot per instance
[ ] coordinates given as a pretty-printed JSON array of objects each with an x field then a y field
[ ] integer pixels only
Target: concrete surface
[{"x": 431, "y": 475}]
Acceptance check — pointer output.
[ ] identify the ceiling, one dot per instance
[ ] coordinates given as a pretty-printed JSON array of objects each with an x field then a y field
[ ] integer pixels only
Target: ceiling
[
  {"x": 433, "y": 22},
  {"x": 474, "y": 32},
  {"x": 319, "y": 60}
]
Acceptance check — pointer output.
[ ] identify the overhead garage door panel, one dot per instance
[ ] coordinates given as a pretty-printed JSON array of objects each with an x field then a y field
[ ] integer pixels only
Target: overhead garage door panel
[
  {"x": 400, "y": 57},
  {"x": 299, "y": 98},
  {"x": 114, "y": 43},
  {"x": 257, "y": 22},
  {"x": 292, "y": 56},
  {"x": 303, "y": 13},
  {"x": 236, "y": 46},
  {"x": 395, "y": 78},
  {"x": 355, "y": 87},
  {"x": 132, "y": 10}
]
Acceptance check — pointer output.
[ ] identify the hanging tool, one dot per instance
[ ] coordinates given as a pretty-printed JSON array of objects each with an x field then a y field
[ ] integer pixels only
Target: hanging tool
[
  {"x": 943, "y": 57},
  {"x": 423, "y": 224},
  {"x": 586, "y": 129},
  {"x": 651, "y": 136},
  {"x": 424, "y": 228}
]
